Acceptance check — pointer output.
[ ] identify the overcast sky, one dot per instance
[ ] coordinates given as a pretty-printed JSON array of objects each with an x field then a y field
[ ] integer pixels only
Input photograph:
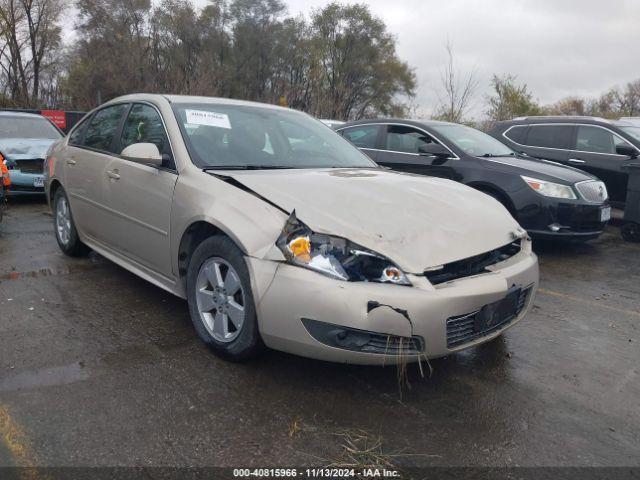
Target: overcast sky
[{"x": 557, "y": 47}]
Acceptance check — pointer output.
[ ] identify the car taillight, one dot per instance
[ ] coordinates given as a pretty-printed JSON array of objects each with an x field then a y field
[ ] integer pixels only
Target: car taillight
[{"x": 4, "y": 172}]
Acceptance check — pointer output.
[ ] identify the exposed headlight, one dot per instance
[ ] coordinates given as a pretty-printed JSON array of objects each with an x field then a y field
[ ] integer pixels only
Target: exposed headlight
[
  {"x": 336, "y": 257},
  {"x": 550, "y": 189}
]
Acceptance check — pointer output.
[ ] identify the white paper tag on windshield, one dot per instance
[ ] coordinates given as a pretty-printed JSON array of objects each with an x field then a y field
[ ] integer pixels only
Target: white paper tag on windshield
[{"x": 211, "y": 119}]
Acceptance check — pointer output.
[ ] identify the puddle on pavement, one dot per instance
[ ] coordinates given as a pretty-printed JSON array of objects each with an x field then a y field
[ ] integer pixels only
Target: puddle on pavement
[{"x": 45, "y": 377}]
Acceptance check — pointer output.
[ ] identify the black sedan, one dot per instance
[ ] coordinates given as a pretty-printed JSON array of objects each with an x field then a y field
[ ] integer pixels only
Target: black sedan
[{"x": 548, "y": 199}]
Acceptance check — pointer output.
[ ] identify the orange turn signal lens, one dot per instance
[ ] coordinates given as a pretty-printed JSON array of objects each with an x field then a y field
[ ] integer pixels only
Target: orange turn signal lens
[
  {"x": 392, "y": 273},
  {"x": 300, "y": 248}
]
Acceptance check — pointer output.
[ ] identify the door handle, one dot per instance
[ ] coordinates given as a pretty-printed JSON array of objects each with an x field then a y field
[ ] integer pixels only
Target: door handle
[
  {"x": 70, "y": 161},
  {"x": 113, "y": 174},
  {"x": 576, "y": 160}
]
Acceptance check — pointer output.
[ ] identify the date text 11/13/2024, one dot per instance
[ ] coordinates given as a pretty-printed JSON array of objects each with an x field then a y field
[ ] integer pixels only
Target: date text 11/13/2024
[{"x": 315, "y": 473}]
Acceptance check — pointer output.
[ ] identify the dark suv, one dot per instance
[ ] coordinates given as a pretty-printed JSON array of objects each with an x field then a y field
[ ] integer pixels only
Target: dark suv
[
  {"x": 596, "y": 145},
  {"x": 547, "y": 199}
]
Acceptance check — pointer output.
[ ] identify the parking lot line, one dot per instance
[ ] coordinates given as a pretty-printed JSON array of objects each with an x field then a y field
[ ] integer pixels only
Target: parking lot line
[
  {"x": 16, "y": 441},
  {"x": 585, "y": 301}
]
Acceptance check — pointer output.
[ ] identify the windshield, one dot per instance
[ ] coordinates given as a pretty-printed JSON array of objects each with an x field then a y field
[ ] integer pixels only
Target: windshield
[
  {"x": 25, "y": 127},
  {"x": 472, "y": 141},
  {"x": 239, "y": 136},
  {"x": 633, "y": 131}
]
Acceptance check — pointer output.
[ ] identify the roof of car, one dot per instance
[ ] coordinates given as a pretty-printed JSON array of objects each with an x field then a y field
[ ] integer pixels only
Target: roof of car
[
  {"x": 191, "y": 99},
  {"x": 557, "y": 119},
  {"x": 20, "y": 115},
  {"x": 413, "y": 122}
]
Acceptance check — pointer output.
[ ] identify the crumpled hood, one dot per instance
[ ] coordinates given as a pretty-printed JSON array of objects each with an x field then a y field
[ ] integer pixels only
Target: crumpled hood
[
  {"x": 416, "y": 221},
  {"x": 25, "y": 148}
]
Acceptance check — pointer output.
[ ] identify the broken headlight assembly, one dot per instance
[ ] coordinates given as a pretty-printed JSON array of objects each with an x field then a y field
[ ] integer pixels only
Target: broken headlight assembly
[{"x": 336, "y": 257}]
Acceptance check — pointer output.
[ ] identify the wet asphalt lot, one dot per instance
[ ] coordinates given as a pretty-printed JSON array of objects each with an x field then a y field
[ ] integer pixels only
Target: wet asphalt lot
[{"x": 100, "y": 368}]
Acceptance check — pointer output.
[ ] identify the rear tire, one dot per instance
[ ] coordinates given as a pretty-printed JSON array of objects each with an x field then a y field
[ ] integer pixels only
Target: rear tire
[
  {"x": 220, "y": 300},
  {"x": 64, "y": 227},
  {"x": 631, "y": 232}
]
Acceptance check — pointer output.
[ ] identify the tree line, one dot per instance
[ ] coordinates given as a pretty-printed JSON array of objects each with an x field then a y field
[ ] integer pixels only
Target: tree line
[
  {"x": 341, "y": 62},
  {"x": 338, "y": 62}
]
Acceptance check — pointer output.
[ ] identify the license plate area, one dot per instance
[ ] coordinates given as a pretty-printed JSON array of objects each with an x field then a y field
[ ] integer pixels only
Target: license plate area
[
  {"x": 463, "y": 329},
  {"x": 498, "y": 313},
  {"x": 605, "y": 214}
]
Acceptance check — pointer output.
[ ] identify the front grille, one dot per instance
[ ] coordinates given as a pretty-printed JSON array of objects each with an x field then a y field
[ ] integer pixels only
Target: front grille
[
  {"x": 593, "y": 191},
  {"x": 472, "y": 265},
  {"x": 465, "y": 328},
  {"x": 29, "y": 166}
]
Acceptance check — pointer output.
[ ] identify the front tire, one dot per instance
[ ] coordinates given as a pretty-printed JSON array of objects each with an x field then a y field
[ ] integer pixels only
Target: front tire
[
  {"x": 65, "y": 229},
  {"x": 221, "y": 302}
]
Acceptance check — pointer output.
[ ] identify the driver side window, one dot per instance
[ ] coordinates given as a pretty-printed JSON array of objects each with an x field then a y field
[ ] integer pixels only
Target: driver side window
[
  {"x": 144, "y": 125},
  {"x": 406, "y": 139}
]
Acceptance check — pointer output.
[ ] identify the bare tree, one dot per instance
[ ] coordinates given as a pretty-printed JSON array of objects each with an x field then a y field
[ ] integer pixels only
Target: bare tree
[
  {"x": 29, "y": 34},
  {"x": 457, "y": 91}
]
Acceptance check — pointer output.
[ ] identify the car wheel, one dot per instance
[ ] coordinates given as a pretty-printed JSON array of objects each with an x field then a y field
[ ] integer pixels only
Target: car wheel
[
  {"x": 65, "y": 229},
  {"x": 220, "y": 300},
  {"x": 631, "y": 232}
]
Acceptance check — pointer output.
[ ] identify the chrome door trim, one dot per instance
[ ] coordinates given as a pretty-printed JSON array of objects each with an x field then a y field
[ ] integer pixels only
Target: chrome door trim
[{"x": 397, "y": 124}]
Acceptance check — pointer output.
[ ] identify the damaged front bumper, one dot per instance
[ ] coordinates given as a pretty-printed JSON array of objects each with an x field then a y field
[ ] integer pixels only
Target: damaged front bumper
[
  {"x": 26, "y": 183},
  {"x": 308, "y": 314}
]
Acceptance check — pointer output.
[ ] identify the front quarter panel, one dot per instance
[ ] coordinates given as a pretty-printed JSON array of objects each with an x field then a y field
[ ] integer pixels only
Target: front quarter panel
[{"x": 253, "y": 224}]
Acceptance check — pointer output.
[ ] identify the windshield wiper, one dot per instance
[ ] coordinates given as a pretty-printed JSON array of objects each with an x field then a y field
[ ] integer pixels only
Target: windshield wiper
[{"x": 245, "y": 167}]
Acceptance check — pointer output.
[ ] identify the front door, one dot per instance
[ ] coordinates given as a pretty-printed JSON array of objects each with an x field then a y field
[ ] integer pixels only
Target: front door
[
  {"x": 595, "y": 152},
  {"x": 401, "y": 151},
  {"x": 139, "y": 196}
]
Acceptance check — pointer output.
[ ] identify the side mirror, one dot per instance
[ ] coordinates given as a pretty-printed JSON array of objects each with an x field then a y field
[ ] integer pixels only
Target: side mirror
[
  {"x": 627, "y": 150},
  {"x": 146, "y": 153},
  {"x": 434, "y": 150}
]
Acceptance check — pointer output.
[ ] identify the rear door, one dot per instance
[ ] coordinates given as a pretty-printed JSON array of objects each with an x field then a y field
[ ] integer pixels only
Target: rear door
[
  {"x": 550, "y": 141},
  {"x": 139, "y": 196},
  {"x": 401, "y": 151},
  {"x": 89, "y": 150},
  {"x": 595, "y": 152},
  {"x": 366, "y": 137}
]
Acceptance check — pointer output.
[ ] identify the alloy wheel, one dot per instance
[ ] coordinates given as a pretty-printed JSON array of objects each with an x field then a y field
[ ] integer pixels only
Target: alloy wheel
[
  {"x": 220, "y": 299},
  {"x": 63, "y": 221}
]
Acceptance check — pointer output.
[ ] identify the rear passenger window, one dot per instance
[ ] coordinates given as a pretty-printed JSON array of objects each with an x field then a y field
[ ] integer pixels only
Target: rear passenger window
[
  {"x": 103, "y": 128},
  {"x": 364, "y": 136},
  {"x": 596, "y": 139},
  {"x": 517, "y": 134},
  {"x": 550, "y": 136}
]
